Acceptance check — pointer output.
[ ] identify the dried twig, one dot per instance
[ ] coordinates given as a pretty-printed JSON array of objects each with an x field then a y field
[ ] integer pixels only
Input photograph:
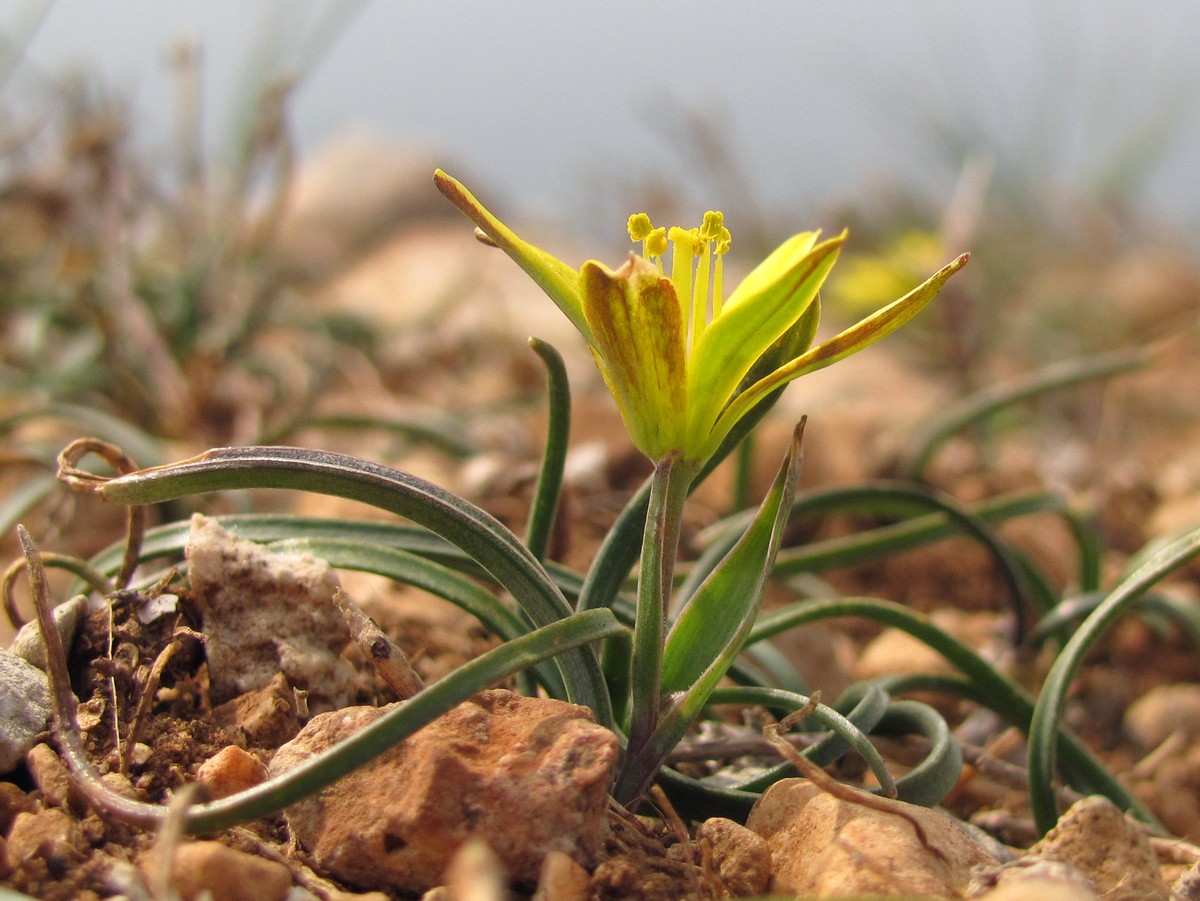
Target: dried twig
[
  {"x": 71, "y": 475},
  {"x": 390, "y": 662},
  {"x": 829, "y": 785},
  {"x": 66, "y": 727}
]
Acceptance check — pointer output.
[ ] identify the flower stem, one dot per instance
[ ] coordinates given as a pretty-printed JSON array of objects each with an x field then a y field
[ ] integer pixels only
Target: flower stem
[{"x": 660, "y": 545}]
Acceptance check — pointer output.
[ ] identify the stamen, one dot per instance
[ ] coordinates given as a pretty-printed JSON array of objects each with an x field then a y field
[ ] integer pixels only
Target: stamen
[
  {"x": 723, "y": 242},
  {"x": 655, "y": 246},
  {"x": 683, "y": 258}
]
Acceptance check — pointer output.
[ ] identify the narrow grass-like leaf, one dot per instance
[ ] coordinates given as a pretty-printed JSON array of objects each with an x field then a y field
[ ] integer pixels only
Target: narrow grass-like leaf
[
  {"x": 15, "y": 505},
  {"x": 437, "y": 430},
  {"x": 1082, "y": 769},
  {"x": 554, "y": 458},
  {"x": 479, "y": 534},
  {"x": 902, "y": 499},
  {"x": 987, "y": 402},
  {"x": 704, "y": 798},
  {"x": 1047, "y": 716},
  {"x": 138, "y": 444},
  {"x": 710, "y": 631},
  {"x": 983, "y": 684},
  {"x": 932, "y": 779},
  {"x": 863, "y": 704}
]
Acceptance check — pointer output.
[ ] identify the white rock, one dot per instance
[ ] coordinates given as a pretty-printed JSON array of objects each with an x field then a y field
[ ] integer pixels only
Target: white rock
[
  {"x": 265, "y": 613},
  {"x": 24, "y": 708}
]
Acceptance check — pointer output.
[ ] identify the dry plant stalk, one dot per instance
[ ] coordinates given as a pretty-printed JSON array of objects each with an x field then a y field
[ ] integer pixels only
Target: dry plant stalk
[{"x": 829, "y": 785}]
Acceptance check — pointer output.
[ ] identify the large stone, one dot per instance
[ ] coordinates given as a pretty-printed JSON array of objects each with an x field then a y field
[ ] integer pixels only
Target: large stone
[
  {"x": 1111, "y": 850},
  {"x": 825, "y": 847},
  {"x": 265, "y": 613},
  {"x": 525, "y": 775},
  {"x": 24, "y": 708}
]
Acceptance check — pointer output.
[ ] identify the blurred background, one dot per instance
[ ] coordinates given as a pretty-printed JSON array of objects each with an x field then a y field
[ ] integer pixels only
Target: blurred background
[
  {"x": 217, "y": 222},
  {"x": 557, "y": 106}
]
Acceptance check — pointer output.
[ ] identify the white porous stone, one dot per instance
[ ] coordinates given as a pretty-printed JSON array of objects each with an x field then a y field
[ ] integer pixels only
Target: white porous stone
[{"x": 265, "y": 613}]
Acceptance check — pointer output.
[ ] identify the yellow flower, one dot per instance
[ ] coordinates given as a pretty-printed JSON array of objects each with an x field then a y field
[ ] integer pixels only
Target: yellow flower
[{"x": 675, "y": 352}]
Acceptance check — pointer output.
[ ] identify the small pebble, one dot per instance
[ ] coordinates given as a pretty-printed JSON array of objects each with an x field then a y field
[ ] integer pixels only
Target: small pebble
[
  {"x": 49, "y": 775},
  {"x": 28, "y": 642},
  {"x": 230, "y": 771},
  {"x": 207, "y": 868},
  {"x": 1162, "y": 711}
]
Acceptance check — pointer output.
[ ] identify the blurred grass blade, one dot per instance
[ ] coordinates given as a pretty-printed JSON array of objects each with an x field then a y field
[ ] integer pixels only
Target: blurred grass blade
[
  {"x": 1048, "y": 714},
  {"x": 15, "y": 505},
  {"x": 461, "y": 523},
  {"x": 989, "y": 401},
  {"x": 554, "y": 458},
  {"x": 437, "y": 430},
  {"x": 139, "y": 445}
]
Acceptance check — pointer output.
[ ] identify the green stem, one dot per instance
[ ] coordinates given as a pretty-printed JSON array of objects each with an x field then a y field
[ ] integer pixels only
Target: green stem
[{"x": 660, "y": 545}]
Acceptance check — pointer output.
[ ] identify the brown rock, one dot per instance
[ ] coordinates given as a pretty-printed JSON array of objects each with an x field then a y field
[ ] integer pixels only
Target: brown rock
[
  {"x": 223, "y": 872},
  {"x": 49, "y": 775},
  {"x": 1107, "y": 847},
  {"x": 894, "y": 651},
  {"x": 826, "y": 847},
  {"x": 266, "y": 613},
  {"x": 1163, "y": 711},
  {"x": 741, "y": 856},
  {"x": 525, "y": 775},
  {"x": 265, "y": 717},
  {"x": 48, "y": 835},
  {"x": 230, "y": 771},
  {"x": 1045, "y": 880},
  {"x": 12, "y": 802}
]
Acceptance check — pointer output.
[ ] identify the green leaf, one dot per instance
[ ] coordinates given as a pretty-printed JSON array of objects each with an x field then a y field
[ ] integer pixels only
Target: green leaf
[
  {"x": 710, "y": 631},
  {"x": 558, "y": 432},
  {"x": 461, "y": 523},
  {"x": 1048, "y": 714}
]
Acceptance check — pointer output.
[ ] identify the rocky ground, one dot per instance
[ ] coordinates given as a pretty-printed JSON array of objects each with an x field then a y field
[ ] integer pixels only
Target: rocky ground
[{"x": 246, "y": 667}]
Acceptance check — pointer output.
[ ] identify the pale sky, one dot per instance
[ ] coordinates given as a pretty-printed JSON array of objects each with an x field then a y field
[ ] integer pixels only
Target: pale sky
[{"x": 818, "y": 100}]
